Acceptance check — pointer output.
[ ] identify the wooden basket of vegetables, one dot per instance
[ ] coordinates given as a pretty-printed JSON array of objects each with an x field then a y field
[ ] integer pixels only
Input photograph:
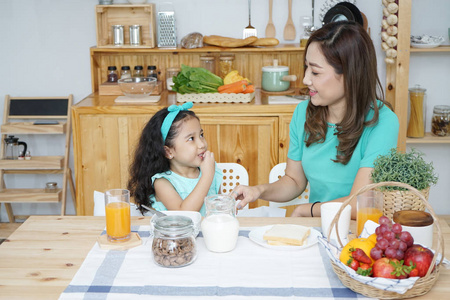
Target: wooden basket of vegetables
[
  {"x": 199, "y": 85},
  {"x": 422, "y": 285}
]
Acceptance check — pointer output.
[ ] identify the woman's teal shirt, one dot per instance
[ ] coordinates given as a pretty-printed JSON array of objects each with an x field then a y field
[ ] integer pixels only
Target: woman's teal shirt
[{"x": 330, "y": 180}]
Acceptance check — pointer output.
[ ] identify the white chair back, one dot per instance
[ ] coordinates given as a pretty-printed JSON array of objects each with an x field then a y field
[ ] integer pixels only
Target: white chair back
[
  {"x": 234, "y": 174},
  {"x": 275, "y": 174}
]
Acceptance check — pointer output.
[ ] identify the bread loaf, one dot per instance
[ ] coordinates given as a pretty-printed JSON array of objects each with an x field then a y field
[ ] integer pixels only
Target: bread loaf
[
  {"x": 287, "y": 234},
  {"x": 265, "y": 42},
  {"x": 223, "y": 41}
]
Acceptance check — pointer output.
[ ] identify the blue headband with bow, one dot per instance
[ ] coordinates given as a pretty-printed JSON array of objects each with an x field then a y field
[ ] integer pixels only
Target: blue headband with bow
[{"x": 173, "y": 112}]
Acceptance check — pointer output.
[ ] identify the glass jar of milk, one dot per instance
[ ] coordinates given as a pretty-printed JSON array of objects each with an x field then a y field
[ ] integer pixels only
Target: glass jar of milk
[{"x": 220, "y": 227}]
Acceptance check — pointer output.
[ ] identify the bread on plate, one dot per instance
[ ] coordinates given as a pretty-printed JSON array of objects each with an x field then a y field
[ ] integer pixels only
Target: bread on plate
[{"x": 287, "y": 234}]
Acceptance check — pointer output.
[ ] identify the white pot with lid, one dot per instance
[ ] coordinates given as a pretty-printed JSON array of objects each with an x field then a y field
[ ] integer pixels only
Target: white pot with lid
[{"x": 276, "y": 78}]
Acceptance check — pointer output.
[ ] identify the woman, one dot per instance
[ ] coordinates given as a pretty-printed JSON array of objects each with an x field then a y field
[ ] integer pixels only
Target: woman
[{"x": 335, "y": 136}]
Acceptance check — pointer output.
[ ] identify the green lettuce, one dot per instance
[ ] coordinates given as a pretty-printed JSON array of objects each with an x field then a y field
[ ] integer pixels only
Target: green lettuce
[{"x": 196, "y": 80}]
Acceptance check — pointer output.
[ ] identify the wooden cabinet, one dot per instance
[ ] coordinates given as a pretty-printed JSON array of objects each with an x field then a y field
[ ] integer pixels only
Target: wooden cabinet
[
  {"x": 254, "y": 135},
  {"x": 397, "y": 77}
]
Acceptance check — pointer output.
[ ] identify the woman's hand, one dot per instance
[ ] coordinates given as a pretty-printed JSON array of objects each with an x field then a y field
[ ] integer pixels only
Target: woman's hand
[{"x": 246, "y": 194}]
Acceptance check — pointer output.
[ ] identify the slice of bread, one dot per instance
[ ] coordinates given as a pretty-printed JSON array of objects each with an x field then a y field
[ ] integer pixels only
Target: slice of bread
[{"x": 282, "y": 234}]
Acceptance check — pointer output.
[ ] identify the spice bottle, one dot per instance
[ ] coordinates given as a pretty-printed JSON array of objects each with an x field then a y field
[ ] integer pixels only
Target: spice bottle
[
  {"x": 138, "y": 71},
  {"x": 125, "y": 72},
  {"x": 208, "y": 62},
  {"x": 151, "y": 72},
  {"x": 174, "y": 242},
  {"x": 226, "y": 65},
  {"x": 27, "y": 155},
  {"x": 416, "y": 125},
  {"x": 51, "y": 187},
  {"x": 112, "y": 74},
  {"x": 440, "y": 121}
]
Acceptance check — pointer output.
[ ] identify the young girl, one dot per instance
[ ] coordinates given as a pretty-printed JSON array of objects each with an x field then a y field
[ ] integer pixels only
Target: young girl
[
  {"x": 172, "y": 168},
  {"x": 335, "y": 136}
]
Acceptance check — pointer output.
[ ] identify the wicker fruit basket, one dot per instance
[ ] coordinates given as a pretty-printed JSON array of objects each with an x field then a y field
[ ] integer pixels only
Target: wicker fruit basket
[
  {"x": 402, "y": 200},
  {"x": 422, "y": 285}
]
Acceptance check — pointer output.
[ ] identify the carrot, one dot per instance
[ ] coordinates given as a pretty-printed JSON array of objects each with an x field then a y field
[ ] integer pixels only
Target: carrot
[
  {"x": 250, "y": 89},
  {"x": 234, "y": 89},
  {"x": 227, "y": 86}
]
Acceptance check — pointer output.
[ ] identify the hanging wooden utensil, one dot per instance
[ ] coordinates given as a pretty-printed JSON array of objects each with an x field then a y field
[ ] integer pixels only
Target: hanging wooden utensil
[
  {"x": 270, "y": 29},
  {"x": 289, "y": 29}
]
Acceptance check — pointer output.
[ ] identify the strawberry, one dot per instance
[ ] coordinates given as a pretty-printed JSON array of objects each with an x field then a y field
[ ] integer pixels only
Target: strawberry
[
  {"x": 364, "y": 270},
  {"x": 360, "y": 256},
  {"x": 353, "y": 263}
]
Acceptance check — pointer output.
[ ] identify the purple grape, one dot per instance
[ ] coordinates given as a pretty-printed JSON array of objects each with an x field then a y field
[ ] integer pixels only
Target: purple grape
[
  {"x": 376, "y": 253},
  {"x": 406, "y": 237},
  {"x": 378, "y": 231},
  {"x": 383, "y": 244},
  {"x": 399, "y": 254},
  {"x": 397, "y": 228},
  {"x": 389, "y": 235},
  {"x": 402, "y": 246},
  {"x": 390, "y": 252},
  {"x": 394, "y": 244},
  {"x": 384, "y": 228},
  {"x": 384, "y": 220}
]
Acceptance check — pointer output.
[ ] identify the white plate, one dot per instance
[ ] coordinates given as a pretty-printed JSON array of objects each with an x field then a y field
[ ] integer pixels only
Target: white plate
[
  {"x": 430, "y": 45},
  {"x": 256, "y": 235}
]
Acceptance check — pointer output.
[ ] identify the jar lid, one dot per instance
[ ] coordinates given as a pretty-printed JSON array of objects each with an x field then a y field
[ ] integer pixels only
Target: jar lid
[
  {"x": 413, "y": 218},
  {"x": 275, "y": 69},
  {"x": 174, "y": 225},
  {"x": 441, "y": 109},
  {"x": 151, "y": 68},
  {"x": 112, "y": 68},
  {"x": 417, "y": 89},
  {"x": 125, "y": 67},
  {"x": 11, "y": 139},
  {"x": 138, "y": 68}
]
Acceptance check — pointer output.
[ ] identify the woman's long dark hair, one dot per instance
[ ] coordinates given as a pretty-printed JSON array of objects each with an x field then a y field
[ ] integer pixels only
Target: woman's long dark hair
[
  {"x": 349, "y": 50},
  {"x": 150, "y": 155}
]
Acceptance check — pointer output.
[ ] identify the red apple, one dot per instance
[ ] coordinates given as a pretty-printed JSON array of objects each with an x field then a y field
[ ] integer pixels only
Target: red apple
[
  {"x": 421, "y": 257},
  {"x": 389, "y": 268}
]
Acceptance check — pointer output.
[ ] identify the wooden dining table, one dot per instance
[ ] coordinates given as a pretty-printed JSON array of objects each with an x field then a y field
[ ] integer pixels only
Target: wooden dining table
[{"x": 40, "y": 258}]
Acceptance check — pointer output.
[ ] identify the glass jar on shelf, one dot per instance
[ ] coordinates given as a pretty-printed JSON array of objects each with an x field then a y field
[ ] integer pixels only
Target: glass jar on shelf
[
  {"x": 416, "y": 124},
  {"x": 152, "y": 72},
  {"x": 209, "y": 63},
  {"x": 112, "y": 74},
  {"x": 138, "y": 71},
  {"x": 174, "y": 242},
  {"x": 125, "y": 72},
  {"x": 440, "y": 121},
  {"x": 170, "y": 73},
  {"x": 226, "y": 65}
]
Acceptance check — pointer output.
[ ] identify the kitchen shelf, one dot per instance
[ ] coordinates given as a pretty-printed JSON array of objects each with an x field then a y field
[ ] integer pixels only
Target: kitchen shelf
[
  {"x": 445, "y": 48},
  {"x": 31, "y": 128},
  {"x": 429, "y": 138},
  {"x": 29, "y": 195},
  {"x": 16, "y": 110},
  {"x": 36, "y": 162}
]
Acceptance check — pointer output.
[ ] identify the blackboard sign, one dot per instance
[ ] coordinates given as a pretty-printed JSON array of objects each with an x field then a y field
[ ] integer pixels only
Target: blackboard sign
[{"x": 38, "y": 107}]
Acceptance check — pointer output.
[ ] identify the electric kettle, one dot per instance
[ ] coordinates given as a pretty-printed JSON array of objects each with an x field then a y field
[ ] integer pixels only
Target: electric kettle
[{"x": 12, "y": 147}]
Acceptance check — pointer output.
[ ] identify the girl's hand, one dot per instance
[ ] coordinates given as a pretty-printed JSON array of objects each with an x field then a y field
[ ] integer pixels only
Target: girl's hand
[
  {"x": 246, "y": 194},
  {"x": 208, "y": 166}
]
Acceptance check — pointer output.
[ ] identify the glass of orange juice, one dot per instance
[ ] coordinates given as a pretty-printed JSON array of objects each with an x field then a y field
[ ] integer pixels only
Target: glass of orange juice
[
  {"x": 369, "y": 207},
  {"x": 117, "y": 210}
]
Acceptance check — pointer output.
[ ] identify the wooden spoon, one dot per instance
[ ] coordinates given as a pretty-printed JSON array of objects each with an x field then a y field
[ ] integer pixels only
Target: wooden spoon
[
  {"x": 289, "y": 29},
  {"x": 270, "y": 29}
]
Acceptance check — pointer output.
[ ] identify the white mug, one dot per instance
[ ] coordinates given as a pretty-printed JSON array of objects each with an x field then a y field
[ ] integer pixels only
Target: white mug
[{"x": 328, "y": 211}]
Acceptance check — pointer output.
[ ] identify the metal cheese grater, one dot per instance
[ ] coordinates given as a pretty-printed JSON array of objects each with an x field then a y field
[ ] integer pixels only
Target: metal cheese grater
[{"x": 166, "y": 29}]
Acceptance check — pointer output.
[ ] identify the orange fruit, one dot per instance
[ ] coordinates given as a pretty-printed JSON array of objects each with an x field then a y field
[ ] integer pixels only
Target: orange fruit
[
  {"x": 365, "y": 244},
  {"x": 373, "y": 237}
]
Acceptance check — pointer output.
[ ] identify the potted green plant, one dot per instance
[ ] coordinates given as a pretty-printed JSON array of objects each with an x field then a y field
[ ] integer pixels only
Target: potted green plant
[{"x": 405, "y": 167}]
